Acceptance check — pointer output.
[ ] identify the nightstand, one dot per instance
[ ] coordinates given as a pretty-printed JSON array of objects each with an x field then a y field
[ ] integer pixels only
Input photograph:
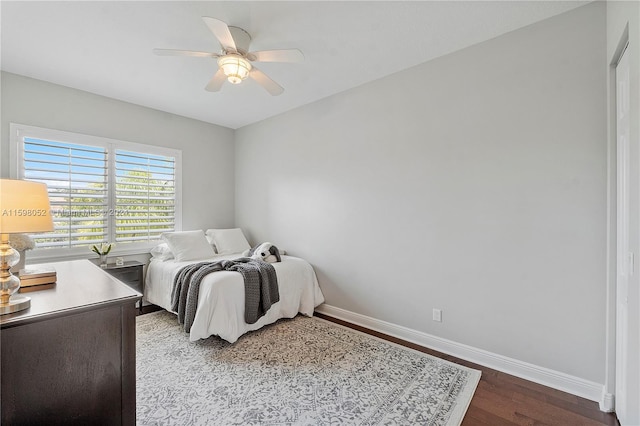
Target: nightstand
[{"x": 130, "y": 273}]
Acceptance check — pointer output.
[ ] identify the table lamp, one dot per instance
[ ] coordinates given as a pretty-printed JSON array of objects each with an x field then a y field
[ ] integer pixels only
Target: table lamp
[{"x": 24, "y": 208}]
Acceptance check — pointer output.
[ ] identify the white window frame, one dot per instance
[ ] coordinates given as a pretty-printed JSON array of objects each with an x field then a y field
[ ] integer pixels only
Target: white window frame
[{"x": 20, "y": 131}]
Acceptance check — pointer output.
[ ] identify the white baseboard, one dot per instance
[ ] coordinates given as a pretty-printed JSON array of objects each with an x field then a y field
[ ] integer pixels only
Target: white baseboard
[{"x": 544, "y": 376}]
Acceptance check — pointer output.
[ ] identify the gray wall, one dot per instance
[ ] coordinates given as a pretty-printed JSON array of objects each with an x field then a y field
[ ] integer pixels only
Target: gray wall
[
  {"x": 474, "y": 183},
  {"x": 207, "y": 149}
]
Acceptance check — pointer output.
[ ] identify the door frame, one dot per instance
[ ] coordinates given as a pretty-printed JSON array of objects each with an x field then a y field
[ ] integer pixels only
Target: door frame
[
  {"x": 625, "y": 258},
  {"x": 607, "y": 402}
]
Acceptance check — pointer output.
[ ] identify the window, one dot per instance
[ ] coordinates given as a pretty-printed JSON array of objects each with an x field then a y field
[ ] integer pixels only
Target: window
[
  {"x": 101, "y": 190},
  {"x": 145, "y": 196}
]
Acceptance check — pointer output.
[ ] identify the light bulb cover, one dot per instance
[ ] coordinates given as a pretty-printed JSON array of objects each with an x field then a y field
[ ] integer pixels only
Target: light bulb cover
[{"x": 235, "y": 67}]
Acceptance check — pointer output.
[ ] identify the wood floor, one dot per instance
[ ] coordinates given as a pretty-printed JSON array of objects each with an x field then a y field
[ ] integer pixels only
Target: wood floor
[{"x": 502, "y": 399}]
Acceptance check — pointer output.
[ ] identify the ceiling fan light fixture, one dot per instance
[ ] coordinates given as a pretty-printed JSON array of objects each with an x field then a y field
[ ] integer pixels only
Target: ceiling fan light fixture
[
  {"x": 234, "y": 58},
  {"x": 235, "y": 67}
]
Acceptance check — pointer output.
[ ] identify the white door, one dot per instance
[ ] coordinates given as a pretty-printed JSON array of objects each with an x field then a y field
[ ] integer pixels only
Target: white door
[{"x": 625, "y": 255}]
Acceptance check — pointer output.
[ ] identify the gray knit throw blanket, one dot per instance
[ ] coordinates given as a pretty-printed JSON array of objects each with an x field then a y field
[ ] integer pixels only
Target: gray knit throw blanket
[{"x": 260, "y": 287}]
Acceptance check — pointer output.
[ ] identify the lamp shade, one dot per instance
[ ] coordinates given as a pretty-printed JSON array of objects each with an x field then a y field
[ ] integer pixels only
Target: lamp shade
[{"x": 24, "y": 207}]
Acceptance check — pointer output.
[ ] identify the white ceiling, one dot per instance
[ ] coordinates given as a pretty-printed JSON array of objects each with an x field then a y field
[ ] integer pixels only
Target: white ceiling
[{"x": 105, "y": 47}]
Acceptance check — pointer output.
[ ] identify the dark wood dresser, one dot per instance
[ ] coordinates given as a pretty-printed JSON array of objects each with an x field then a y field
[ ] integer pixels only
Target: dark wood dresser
[{"x": 70, "y": 358}]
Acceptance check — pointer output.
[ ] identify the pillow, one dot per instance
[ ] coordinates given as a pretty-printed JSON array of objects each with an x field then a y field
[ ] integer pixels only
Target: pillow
[
  {"x": 188, "y": 245},
  {"x": 228, "y": 241},
  {"x": 161, "y": 252}
]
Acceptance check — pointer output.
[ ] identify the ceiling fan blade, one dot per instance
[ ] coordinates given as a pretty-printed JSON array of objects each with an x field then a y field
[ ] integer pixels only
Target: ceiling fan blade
[
  {"x": 222, "y": 33},
  {"x": 216, "y": 82},
  {"x": 265, "y": 81},
  {"x": 282, "y": 55},
  {"x": 176, "y": 52}
]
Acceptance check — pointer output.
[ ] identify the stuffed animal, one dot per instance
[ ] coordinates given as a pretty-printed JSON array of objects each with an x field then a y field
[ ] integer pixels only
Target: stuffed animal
[{"x": 265, "y": 251}]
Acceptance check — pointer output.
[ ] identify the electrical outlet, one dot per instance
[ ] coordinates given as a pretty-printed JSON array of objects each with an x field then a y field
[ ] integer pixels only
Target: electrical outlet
[{"x": 437, "y": 315}]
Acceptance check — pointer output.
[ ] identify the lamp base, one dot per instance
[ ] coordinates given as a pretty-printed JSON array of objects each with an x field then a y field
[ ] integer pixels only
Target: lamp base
[{"x": 16, "y": 303}]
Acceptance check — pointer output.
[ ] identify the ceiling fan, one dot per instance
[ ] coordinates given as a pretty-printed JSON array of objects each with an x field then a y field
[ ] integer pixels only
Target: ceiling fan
[{"x": 235, "y": 61}]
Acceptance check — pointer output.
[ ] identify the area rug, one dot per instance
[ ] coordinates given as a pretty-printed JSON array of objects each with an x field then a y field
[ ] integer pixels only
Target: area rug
[{"x": 302, "y": 371}]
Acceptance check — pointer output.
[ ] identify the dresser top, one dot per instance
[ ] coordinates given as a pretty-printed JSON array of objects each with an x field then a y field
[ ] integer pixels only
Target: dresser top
[{"x": 81, "y": 285}]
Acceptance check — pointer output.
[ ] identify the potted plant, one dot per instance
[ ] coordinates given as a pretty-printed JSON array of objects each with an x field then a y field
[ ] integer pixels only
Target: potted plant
[{"x": 102, "y": 250}]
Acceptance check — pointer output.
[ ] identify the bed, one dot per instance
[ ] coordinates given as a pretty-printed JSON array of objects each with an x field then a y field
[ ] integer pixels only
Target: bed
[{"x": 220, "y": 309}]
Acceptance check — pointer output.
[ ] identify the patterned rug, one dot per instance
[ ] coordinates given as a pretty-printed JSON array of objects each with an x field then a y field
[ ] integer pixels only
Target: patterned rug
[{"x": 303, "y": 371}]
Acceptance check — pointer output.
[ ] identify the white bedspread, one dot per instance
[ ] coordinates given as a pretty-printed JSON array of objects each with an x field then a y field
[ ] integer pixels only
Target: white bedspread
[{"x": 221, "y": 301}]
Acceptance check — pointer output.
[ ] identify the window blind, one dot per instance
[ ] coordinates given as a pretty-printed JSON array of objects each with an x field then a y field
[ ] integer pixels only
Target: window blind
[
  {"x": 145, "y": 196},
  {"x": 77, "y": 179}
]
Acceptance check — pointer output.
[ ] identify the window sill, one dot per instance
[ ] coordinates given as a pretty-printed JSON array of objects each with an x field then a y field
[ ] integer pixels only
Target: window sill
[{"x": 47, "y": 256}]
